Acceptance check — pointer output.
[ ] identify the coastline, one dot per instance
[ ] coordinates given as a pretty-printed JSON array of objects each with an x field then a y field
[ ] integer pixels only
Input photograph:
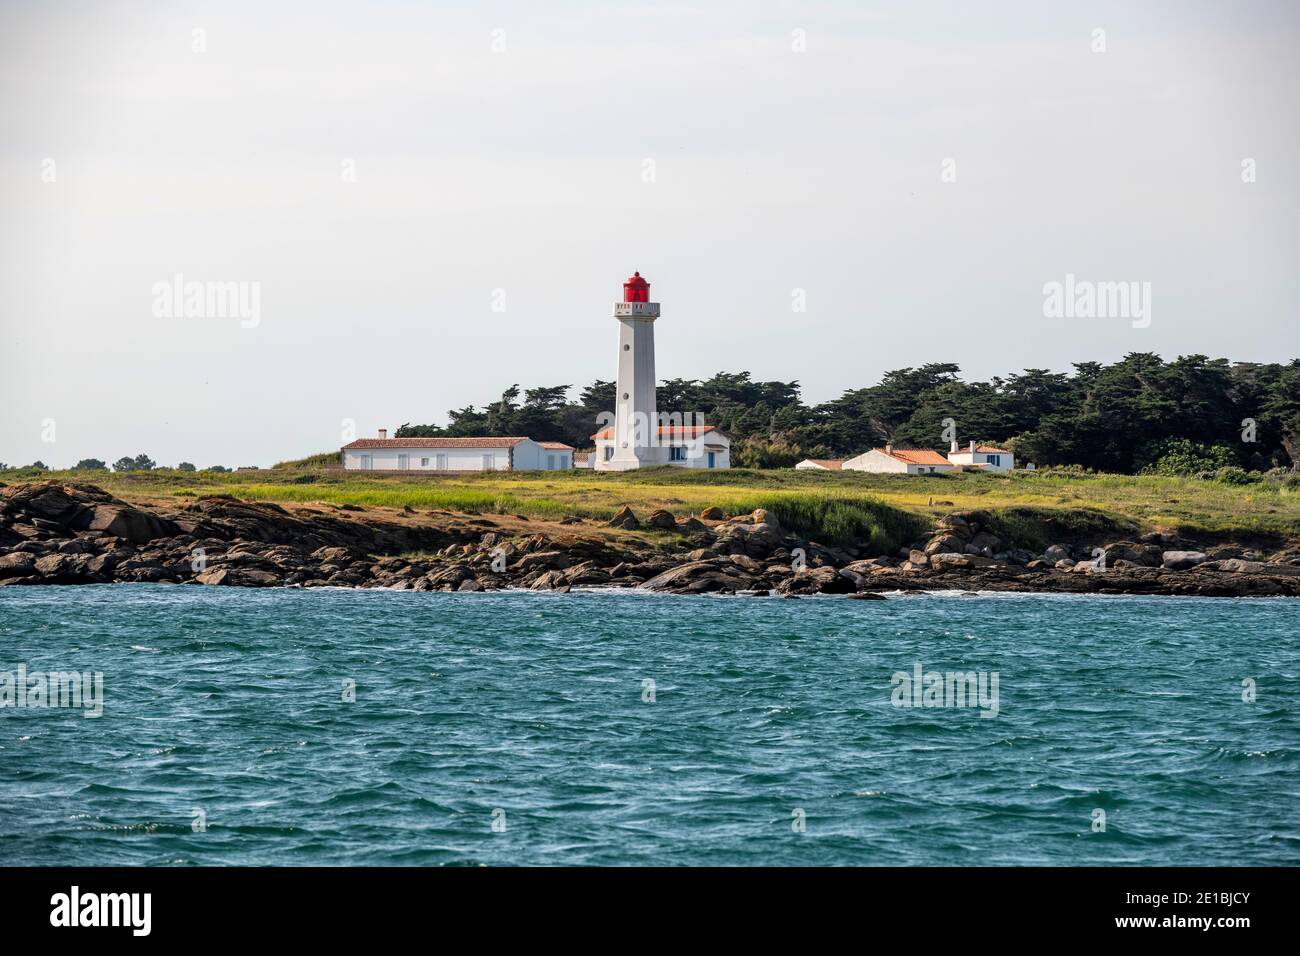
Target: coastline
[{"x": 55, "y": 533}]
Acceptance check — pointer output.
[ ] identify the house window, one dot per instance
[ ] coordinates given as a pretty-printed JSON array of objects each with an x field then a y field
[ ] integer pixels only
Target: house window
[
  {"x": 441, "y": 462},
  {"x": 609, "y": 452},
  {"x": 403, "y": 462},
  {"x": 677, "y": 453},
  {"x": 995, "y": 460},
  {"x": 424, "y": 463},
  {"x": 487, "y": 462},
  {"x": 367, "y": 462},
  {"x": 550, "y": 462}
]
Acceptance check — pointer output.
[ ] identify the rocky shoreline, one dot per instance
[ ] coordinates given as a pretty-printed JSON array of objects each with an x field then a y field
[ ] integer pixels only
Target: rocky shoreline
[{"x": 54, "y": 533}]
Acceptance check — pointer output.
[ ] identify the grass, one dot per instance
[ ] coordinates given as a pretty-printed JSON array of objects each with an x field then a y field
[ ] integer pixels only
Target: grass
[{"x": 832, "y": 506}]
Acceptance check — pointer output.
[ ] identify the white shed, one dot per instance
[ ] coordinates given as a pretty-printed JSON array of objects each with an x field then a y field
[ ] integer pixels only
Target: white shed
[
  {"x": 901, "y": 461},
  {"x": 488, "y": 453},
  {"x": 985, "y": 457}
]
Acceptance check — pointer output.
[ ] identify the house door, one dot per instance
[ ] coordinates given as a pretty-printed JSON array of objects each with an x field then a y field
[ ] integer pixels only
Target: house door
[
  {"x": 403, "y": 462},
  {"x": 711, "y": 458},
  {"x": 441, "y": 461},
  {"x": 487, "y": 462}
]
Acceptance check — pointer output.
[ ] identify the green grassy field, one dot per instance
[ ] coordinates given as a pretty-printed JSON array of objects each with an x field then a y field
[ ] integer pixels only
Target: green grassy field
[{"x": 837, "y": 506}]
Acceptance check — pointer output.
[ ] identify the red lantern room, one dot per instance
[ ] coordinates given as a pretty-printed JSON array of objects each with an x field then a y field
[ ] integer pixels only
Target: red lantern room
[{"x": 636, "y": 289}]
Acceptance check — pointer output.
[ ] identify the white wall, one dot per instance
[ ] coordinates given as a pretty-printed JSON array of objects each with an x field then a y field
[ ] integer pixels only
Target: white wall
[
  {"x": 528, "y": 455},
  {"x": 878, "y": 462},
  {"x": 1008, "y": 460},
  {"x": 875, "y": 461},
  {"x": 458, "y": 459},
  {"x": 722, "y": 459}
]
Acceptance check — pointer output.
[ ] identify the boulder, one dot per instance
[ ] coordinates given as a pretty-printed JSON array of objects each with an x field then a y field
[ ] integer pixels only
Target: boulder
[
  {"x": 678, "y": 576},
  {"x": 129, "y": 523},
  {"x": 1057, "y": 553},
  {"x": 624, "y": 518},
  {"x": 713, "y": 514},
  {"x": 1182, "y": 560},
  {"x": 662, "y": 519},
  {"x": 945, "y": 544},
  {"x": 16, "y": 565}
]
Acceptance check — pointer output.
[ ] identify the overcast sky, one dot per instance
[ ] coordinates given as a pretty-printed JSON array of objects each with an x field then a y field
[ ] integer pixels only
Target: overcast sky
[{"x": 392, "y": 174}]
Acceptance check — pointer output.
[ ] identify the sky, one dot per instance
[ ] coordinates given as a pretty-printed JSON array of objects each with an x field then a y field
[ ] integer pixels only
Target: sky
[{"x": 430, "y": 202}]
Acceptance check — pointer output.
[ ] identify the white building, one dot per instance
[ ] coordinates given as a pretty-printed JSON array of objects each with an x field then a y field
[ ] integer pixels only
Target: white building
[
  {"x": 689, "y": 446},
  {"x": 455, "y": 454},
  {"x": 902, "y": 461},
  {"x": 821, "y": 464},
  {"x": 984, "y": 457},
  {"x": 639, "y": 438},
  {"x": 582, "y": 459}
]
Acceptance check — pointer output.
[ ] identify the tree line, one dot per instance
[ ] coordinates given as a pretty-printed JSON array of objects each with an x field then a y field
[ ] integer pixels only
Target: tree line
[{"x": 1141, "y": 413}]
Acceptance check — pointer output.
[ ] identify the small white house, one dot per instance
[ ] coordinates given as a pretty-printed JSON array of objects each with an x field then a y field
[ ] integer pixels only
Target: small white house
[
  {"x": 901, "y": 461},
  {"x": 984, "y": 457},
  {"x": 683, "y": 446},
  {"x": 821, "y": 464},
  {"x": 455, "y": 454},
  {"x": 556, "y": 456}
]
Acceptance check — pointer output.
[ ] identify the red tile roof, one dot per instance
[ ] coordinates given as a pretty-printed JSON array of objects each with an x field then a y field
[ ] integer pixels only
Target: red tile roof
[
  {"x": 982, "y": 450},
  {"x": 485, "y": 442},
  {"x": 832, "y": 464},
  {"x": 916, "y": 456},
  {"x": 556, "y": 445},
  {"x": 665, "y": 431}
]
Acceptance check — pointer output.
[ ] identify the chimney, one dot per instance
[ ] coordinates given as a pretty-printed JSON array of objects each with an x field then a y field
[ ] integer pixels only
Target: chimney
[
  {"x": 972, "y": 446},
  {"x": 383, "y": 433},
  {"x": 889, "y": 449},
  {"x": 952, "y": 449}
]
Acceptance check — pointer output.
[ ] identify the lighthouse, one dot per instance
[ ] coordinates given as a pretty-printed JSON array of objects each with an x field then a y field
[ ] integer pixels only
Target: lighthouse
[
  {"x": 636, "y": 419},
  {"x": 639, "y": 436}
]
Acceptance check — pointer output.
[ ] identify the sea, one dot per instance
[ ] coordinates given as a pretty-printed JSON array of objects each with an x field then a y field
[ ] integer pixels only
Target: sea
[{"x": 230, "y": 726}]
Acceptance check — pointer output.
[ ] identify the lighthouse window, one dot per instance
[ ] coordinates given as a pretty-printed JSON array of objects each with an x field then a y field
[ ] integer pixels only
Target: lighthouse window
[
  {"x": 627, "y": 348},
  {"x": 625, "y": 396}
]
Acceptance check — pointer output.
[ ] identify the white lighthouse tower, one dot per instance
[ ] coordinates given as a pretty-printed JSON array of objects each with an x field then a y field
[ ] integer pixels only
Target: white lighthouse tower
[{"x": 636, "y": 418}]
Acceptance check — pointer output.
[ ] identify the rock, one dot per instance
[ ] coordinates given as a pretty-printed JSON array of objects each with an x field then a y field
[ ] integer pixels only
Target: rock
[
  {"x": 1240, "y": 566},
  {"x": 1057, "y": 553},
  {"x": 53, "y": 565},
  {"x": 945, "y": 544},
  {"x": 624, "y": 518},
  {"x": 1182, "y": 560},
  {"x": 129, "y": 523},
  {"x": 16, "y": 565},
  {"x": 238, "y": 577},
  {"x": 664, "y": 520},
  {"x": 918, "y": 557},
  {"x": 947, "y": 560},
  {"x": 713, "y": 514},
  {"x": 867, "y": 596},
  {"x": 1065, "y": 564},
  {"x": 470, "y": 584},
  {"x": 816, "y": 581},
  {"x": 691, "y": 526},
  {"x": 678, "y": 576}
]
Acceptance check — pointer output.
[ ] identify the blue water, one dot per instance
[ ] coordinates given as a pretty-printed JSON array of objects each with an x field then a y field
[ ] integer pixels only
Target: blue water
[{"x": 527, "y": 710}]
